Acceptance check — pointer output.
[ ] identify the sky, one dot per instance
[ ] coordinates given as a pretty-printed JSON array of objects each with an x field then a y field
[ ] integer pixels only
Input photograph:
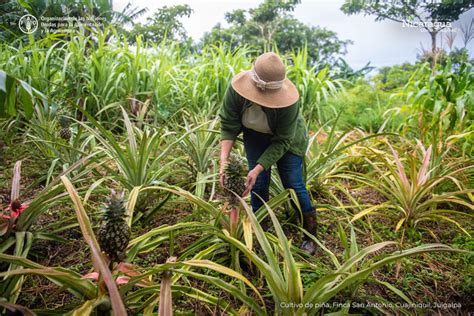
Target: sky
[{"x": 382, "y": 43}]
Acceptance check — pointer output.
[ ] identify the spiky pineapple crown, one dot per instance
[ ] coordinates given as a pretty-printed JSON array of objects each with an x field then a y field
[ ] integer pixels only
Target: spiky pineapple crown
[
  {"x": 234, "y": 179},
  {"x": 64, "y": 121},
  {"x": 234, "y": 167},
  {"x": 115, "y": 210}
]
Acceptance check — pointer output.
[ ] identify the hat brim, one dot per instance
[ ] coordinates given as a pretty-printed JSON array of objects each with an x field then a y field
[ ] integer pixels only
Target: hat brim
[{"x": 276, "y": 98}]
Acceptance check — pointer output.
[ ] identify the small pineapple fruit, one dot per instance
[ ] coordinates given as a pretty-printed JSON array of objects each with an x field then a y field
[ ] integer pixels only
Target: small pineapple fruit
[
  {"x": 234, "y": 178},
  {"x": 15, "y": 205},
  {"x": 114, "y": 233},
  {"x": 65, "y": 131}
]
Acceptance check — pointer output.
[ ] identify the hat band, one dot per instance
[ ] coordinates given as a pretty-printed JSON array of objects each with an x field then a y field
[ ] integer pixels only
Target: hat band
[{"x": 273, "y": 85}]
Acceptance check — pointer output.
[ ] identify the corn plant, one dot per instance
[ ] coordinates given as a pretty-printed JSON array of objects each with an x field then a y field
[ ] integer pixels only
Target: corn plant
[
  {"x": 167, "y": 68},
  {"x": 37, "y": 64},
  {"x": 14, "y": 91},
  {"x": 411, "y": 194},
  {"x": 204, "y": 85},
  {"x": 440, "y": 103},
  {"x": 314, "y": 85},
  {"x": 90, "y": 70}
]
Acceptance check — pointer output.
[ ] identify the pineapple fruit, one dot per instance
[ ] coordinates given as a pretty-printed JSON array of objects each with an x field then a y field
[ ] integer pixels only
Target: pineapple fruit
[
  {"x": 65, "y": 131},
  {"x": 234, "y": 178},
  {"x": 15, "y": 205},
  {"x": 114, "y": 233}
]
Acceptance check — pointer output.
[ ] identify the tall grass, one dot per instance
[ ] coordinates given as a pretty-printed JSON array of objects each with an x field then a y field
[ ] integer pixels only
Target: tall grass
[
  {"x": 103, "y": 71},
  {"x": 146, "y": 114}
]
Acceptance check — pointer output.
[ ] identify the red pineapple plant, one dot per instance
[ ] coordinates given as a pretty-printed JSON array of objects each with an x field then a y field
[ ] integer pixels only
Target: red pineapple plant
[
  {"x": 234, "y": 184},
  {"x": 10, "y": 214}
]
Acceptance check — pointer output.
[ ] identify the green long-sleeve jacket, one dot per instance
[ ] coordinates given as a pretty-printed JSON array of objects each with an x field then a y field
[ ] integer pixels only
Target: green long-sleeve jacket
[{"x": 287, "y": 126}]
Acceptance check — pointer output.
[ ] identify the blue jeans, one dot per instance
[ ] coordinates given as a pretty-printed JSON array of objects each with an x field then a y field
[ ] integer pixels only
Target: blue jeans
[{"x": 290, "y": 169}]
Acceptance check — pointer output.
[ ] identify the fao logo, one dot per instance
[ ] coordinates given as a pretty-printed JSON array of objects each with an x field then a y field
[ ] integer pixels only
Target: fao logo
[{"x": 28, "y": 24}]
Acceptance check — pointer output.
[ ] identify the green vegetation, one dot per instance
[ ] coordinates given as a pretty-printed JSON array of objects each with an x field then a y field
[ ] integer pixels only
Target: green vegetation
[{"x": 89, "y": 120}]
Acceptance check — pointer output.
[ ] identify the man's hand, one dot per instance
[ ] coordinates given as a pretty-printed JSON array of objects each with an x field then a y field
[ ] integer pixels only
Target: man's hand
[{"x": 251, "y": 178}]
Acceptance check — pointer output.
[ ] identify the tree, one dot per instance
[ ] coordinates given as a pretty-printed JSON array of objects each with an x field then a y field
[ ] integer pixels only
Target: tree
[
  {"x": 432, "y": 15},
  {"x": 267, "y": 18},
  {"x": 323, "y": 45},
  {"x": 394, "y": 77},
  {"x": 271, "y": 25},
  {"x": 344, "y": 71},
  {"x": 10, "y": 14},
  {"x": 165, "y": 23},
  {"x": 128, "y": 15}
]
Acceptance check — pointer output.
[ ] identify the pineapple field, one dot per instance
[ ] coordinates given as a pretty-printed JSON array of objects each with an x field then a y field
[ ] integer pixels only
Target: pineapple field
[{"x": 111, "y": 204}]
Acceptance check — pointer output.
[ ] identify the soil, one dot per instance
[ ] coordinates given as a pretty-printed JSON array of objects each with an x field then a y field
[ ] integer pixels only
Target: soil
[{"x": 432, "y": 278}]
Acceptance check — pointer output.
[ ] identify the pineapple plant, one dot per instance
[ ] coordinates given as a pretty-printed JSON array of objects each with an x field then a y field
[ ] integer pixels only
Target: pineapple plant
[
  {"x": 114, "y": 233},
  {"x": 234, "y": 178},
  {"x": 15, "y": 205},
  {"x": 65, "y": 131}
]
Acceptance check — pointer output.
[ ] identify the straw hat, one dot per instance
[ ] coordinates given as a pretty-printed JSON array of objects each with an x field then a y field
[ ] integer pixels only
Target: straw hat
[{"x": 266, "y": 83}]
